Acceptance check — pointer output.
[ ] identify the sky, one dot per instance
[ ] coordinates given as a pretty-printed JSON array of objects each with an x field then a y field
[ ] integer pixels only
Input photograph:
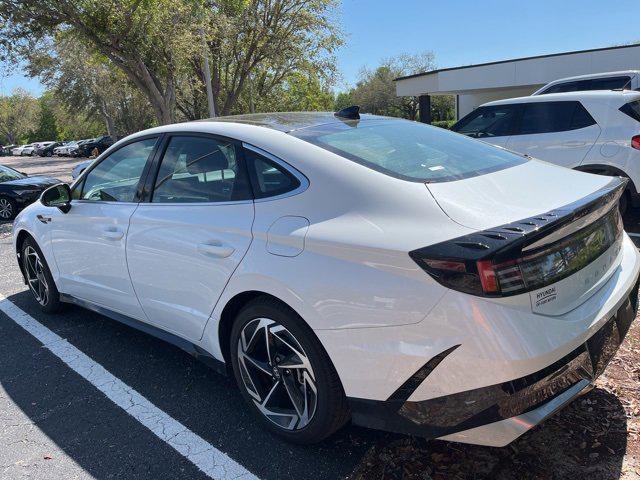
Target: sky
[{"x": 461, "y": 32}]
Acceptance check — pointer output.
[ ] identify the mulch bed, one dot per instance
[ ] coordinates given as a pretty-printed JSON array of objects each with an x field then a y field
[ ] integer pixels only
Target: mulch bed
[{"x": 596, "y": 437}]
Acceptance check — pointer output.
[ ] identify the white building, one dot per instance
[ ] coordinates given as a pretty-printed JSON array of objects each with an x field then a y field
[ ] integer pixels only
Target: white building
[{"x": 474, "y": 85}]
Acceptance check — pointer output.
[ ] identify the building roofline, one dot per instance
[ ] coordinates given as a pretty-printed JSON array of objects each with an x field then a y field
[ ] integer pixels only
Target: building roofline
[{"x": 515, "y": 60}]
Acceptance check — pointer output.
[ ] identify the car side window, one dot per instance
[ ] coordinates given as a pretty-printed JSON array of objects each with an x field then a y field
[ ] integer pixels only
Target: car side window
[
  {"x": 551, "y": 117},
  {"x": 492, "y": 121},
  {"x": 200, "y": 170},
  {"x": 116, "y": 178},
  {"x": 268, "y": 179}
]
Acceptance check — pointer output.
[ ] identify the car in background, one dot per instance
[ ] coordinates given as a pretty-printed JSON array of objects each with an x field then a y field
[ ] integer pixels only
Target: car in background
[
  {"x": 592, "y": 131},
  {"x": 349, "y": 267},
  {"x": 624, "y": 80},
  {"x": 95, "y": 146},
  {"x": 28, "y": 150},
  {"x": 46, "y": 149},
  {"x": 6, "y": 149},
  {"x": 42, "y": 148},
  {"x": 17, "y": 190},
  {"x": 74, "y": 151},
  {"x": 17, "y": 151},
  {"x": 63, "y": 150},
  {"x": 79, "y": 168}
]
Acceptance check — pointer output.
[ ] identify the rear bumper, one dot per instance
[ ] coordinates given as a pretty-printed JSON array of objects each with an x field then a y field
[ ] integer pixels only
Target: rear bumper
[{"x": 497, "y": 414}]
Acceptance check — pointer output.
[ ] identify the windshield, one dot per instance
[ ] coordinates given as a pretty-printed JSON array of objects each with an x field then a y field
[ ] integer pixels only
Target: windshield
[
  {"x": 7, "y": 174},
  {"x": 410, "y": 150}
]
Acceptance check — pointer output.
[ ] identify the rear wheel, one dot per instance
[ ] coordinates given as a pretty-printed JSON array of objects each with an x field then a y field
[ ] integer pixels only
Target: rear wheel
[
  {"x": 39, "y": 278},
  {"x": 284, "y": 373}
]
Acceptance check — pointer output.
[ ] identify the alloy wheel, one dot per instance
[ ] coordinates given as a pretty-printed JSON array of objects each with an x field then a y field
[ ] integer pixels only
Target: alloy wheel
[
  {"x": 6, "y": 209},
  {"x": 277, "y": 374},
  {"x": 34, "y": 270}
]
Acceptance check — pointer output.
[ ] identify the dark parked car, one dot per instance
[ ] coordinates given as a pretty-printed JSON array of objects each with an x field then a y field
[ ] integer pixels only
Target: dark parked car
[
  {"x": 46, "y": 149},
  {"x": 6, "y": 149},
  {"x": 100, "y": 144},
  {"x": 17, "y": 190}
]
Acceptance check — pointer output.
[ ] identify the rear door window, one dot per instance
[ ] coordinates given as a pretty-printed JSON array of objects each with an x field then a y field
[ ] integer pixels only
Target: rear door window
[
  {"x": 491, "y": 121},
  {"x": 197, "y": 169},
  {"x": 550, "y": 117}
]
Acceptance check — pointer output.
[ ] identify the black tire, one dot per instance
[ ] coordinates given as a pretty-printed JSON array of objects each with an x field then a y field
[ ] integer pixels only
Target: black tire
[
  {"x": 331, "y": 409},
  {"x": 8, "y": 209},
  {"x": 52, "y": 303},
  {"x": 49, "y": 154}
]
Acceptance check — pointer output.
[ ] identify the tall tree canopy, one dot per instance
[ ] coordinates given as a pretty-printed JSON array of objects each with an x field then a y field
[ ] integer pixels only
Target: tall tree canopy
[{"x": 256, "y": 47}]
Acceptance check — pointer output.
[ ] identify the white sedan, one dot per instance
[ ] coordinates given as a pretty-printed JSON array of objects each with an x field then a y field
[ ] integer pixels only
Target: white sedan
[
  {"x": 342, "y": 267},
  {"x": 18, "y": 150}
]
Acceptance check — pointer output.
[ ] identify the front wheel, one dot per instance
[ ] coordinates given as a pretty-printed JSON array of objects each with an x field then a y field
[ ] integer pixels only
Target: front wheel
[
  {"x": 8, "y": 208},
  {"x": 39, "y": 278},
  {"x": 284, "y": 374}
]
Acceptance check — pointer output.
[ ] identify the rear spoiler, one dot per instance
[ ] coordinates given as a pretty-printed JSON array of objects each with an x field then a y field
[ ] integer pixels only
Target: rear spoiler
[{"x": 457, "y": 261}]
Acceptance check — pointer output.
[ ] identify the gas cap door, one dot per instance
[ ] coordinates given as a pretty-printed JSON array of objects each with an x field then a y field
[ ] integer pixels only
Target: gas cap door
[{"x": 286, "y": 235}]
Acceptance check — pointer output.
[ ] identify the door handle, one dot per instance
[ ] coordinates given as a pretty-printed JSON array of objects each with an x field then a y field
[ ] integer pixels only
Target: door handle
[
  {"x": 215, "y": 250},
  {"x": 575, "y": 143},
  {"x": 112, "y": 233}
]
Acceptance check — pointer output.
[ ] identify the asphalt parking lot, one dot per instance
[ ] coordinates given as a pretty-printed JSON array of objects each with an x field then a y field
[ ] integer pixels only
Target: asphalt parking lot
[{"x": 57, "y": 421}]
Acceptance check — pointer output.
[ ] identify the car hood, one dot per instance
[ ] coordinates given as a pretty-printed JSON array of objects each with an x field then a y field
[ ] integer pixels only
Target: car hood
[
  {"x": 512, "y": 194},
  {"x": 32, "y": 182}
]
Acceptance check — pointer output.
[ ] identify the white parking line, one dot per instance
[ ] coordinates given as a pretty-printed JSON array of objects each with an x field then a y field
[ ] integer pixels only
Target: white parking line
[{"x": 202, "y": 454}]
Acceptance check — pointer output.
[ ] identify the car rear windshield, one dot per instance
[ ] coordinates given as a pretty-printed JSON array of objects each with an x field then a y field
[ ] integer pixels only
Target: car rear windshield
[{"x": 410, "y": 150}]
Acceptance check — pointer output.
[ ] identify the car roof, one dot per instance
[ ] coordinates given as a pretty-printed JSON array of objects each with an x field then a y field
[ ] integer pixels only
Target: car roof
[
  {"x": 595, "y": 75},
  {"x": 289, "y": 121},
  {"x": 613, "y": 96}
]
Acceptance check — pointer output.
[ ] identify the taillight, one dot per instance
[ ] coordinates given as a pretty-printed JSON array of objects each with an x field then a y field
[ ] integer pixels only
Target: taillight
[
  {"x": 486, "y": 267},
  {"x": 635, "y": 142}
]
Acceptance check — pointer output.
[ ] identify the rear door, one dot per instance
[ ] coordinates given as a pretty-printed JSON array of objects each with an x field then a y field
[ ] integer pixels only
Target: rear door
[
  {"x": 492, "y": 124},
  {"x": 559, "y": 132},
  {"x": 187, "y": 239}
]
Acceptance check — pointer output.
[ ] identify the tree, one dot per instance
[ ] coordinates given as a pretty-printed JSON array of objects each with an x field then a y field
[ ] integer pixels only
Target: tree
[
  {"x": 18, "y": 116},
  {"x": 146, "y": 40},
  {"x": 89, "y": 83},
  {"x": 375, "y": 90},
  {"x": 260, "y": 48},
  {"x": 47, "y": 125}
]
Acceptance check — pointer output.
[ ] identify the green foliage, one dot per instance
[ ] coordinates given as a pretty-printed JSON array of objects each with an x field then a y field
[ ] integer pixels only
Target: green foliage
[
  {"x": 375, "y": 91},
  {"x": 18, "y": 116},
  {"x": 47, "y": 124},
  {"x": 342, "y": 100},
  {"x": 447, "y": 124}
]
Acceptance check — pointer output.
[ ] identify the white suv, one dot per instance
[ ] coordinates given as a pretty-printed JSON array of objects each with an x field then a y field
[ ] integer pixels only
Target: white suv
[{"x": 595, "y": 131}]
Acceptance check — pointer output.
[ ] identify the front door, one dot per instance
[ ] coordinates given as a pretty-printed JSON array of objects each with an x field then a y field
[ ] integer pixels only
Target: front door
[
  {"x": 89, "y": 241},
  {"x": 185, "y": 243}
]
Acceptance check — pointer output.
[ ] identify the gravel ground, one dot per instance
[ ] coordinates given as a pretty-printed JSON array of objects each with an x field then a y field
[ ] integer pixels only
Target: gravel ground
[{"x": 55, "y": 425}]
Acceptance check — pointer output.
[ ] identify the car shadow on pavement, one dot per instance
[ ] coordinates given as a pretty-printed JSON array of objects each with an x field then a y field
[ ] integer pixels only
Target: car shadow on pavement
[{"x": 588, "y": 436}]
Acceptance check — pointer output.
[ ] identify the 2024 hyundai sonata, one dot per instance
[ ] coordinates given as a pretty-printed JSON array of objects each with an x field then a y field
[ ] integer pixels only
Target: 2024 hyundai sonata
[{"x": 345, "y": 267}]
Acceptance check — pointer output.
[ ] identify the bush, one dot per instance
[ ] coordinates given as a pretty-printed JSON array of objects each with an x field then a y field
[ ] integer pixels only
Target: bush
[{"x": 447, "y": 124}]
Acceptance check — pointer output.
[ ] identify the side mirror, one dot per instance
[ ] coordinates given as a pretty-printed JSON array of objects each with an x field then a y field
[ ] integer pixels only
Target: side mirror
[{"x": 57, "y": 196}]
